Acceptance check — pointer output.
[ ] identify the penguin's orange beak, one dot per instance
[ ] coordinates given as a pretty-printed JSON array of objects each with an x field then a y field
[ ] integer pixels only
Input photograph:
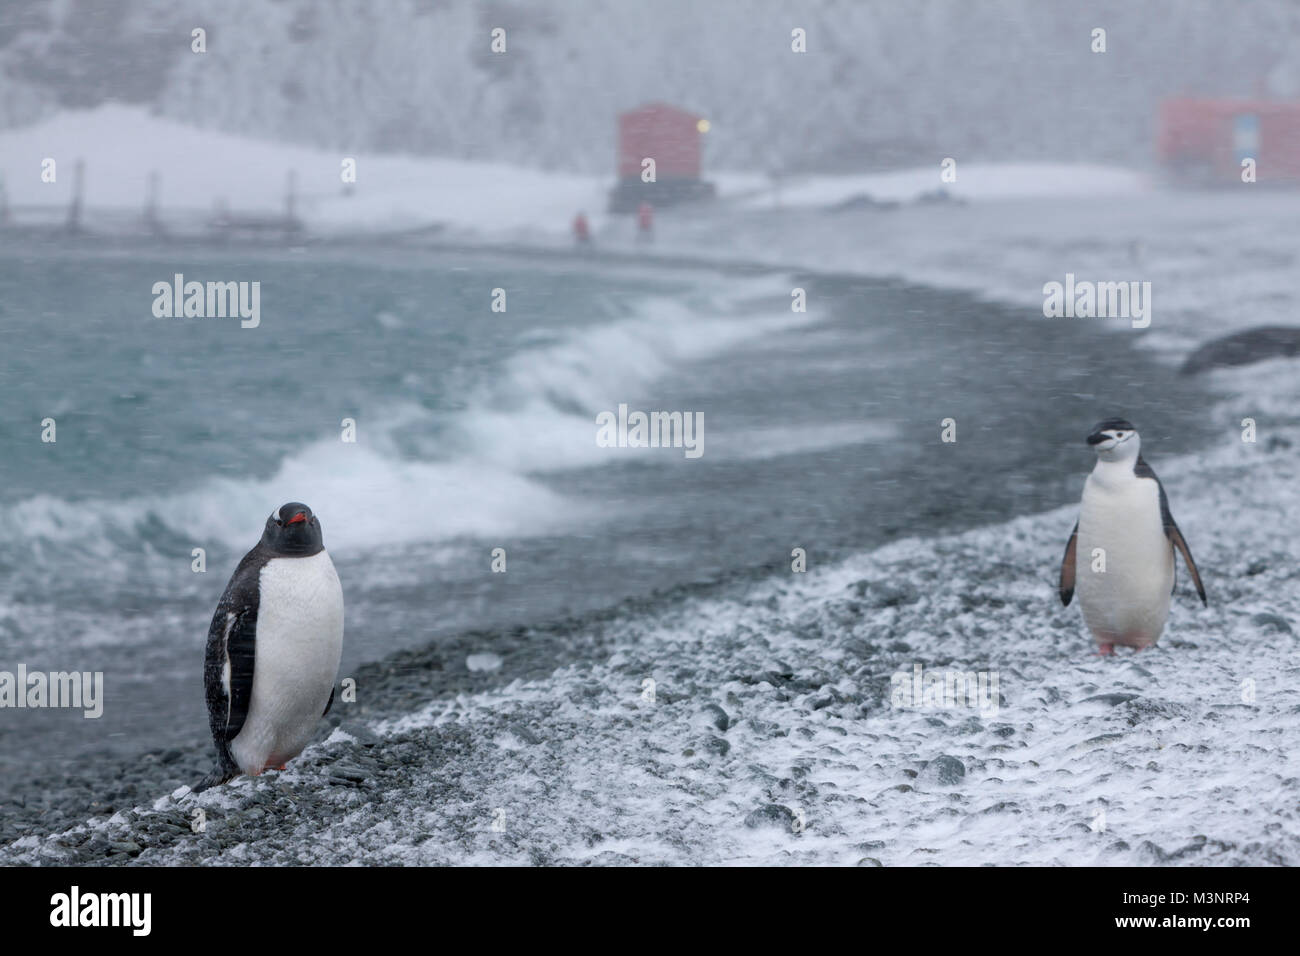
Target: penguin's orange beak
[{"x": 300, "y": 516}]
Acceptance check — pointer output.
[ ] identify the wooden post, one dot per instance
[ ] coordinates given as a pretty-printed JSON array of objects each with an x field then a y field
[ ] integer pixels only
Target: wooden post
[
  {"x": 291, "y": 201},
  {"x": 74, "y": 209},
  {"x": 151, "y": 220}
]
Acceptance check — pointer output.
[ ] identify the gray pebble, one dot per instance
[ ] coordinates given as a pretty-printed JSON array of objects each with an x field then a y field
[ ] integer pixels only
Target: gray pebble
[
  {"x": 771, "y": 815},
  {"x": 1272, "y": 621},
  {"x": 717, "y": 717},
  {"x": 944, "y": 770}
]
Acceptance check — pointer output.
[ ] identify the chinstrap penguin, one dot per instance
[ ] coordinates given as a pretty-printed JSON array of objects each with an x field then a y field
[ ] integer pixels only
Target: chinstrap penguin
[
  {"x": 273, "y": 649},
  {"x": 1123, "y": 545}
]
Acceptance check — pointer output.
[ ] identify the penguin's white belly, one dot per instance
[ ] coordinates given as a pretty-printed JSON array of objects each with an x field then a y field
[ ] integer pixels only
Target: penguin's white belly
[
  {"x": 1128, "y": 602},
  {"x": 299, "y": 643}
]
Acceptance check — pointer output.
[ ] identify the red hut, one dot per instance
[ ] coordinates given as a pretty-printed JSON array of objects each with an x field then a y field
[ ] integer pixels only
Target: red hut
[
  {"x": 1206, "y": 140},
  {"x": 669, "y": 136}
]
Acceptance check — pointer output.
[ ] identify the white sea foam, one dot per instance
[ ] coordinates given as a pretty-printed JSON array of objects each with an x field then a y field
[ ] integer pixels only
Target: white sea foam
[{"x": 478, "y": 478}]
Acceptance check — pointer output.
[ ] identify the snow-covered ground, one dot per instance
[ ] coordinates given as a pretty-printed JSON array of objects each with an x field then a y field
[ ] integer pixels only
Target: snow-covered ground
[
  {"x": 978, "y": 181},
  {"x": 772, "y": 737},
  {"x": 123, "y": 146}
]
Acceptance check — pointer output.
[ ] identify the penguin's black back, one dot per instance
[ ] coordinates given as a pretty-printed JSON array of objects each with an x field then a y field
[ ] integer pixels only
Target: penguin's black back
[{"x": 233, "y": 636}]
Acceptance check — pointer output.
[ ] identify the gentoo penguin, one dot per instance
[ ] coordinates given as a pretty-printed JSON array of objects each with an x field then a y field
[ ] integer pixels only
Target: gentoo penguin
[
  {"x": 273, "y": 648},
  {"x": 1124, "y": 514}
]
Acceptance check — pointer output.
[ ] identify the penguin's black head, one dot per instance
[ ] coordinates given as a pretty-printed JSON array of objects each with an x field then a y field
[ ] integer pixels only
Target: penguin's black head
[
  {"x": 293, "y": 530},
  {"x": 1110, "y": 428},
  {"x": 1115, "y": 439}
]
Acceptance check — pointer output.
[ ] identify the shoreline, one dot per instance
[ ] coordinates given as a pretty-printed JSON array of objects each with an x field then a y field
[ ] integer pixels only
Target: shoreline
[
  {"x": 349, "y": 773},
  {"x": 773, "y": 676},
  {"x": 864, "y": 527}
]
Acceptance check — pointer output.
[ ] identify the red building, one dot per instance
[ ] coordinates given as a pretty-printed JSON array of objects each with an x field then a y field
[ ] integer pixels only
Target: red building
[
  {"x": 1206, "y": 140},
  {"x": 672, "y": 138}
]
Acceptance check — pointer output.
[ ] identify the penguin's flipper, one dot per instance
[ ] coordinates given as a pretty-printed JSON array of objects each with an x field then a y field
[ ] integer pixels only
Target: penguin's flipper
[
  {"x": 1067, "y": 567},
  {"x": 230, "y": 655},
  {"x": 1143, "y": 470},
  {"x": 228, "y": 673},
  {"x": 329, "y": 703},
  {"x": 1176, "y": 537}
]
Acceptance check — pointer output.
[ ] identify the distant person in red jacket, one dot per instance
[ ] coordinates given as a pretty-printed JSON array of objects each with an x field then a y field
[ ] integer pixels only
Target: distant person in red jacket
[
  {"x": 581, "y": 230},
  {"x": 645, "y": 222}
]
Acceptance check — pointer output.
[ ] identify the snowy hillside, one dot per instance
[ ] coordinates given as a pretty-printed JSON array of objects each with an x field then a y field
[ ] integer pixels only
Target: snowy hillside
[{"x": 881, "y": 84}]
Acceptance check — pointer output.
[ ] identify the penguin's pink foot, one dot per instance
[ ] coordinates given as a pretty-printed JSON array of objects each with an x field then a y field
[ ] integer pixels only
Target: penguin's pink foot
[
  {"x": 283, "y": 766},
  {"x": 1105, "y": 650}
]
